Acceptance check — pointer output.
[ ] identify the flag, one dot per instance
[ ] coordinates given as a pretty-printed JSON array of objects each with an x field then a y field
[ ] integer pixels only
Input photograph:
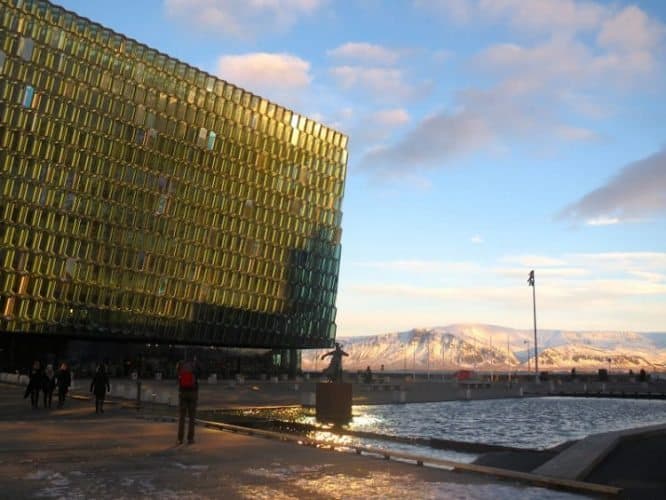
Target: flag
[{"x": 530, "y": 280}]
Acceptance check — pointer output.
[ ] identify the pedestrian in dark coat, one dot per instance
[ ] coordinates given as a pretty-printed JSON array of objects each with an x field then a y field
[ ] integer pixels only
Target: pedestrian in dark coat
[
  {"x": 35, "y": 384},
  {"x": 63, "y": 381},
  {"x": 49, "y": 385},
  {"x": 99, "y": 386},
  {"x": 188, "y": 393}
]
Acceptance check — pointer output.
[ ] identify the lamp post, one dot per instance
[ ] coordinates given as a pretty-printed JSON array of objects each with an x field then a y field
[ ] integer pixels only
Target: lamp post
[
  {"x": 530, "y": 282},
  {"x": 529, "y": 369}
]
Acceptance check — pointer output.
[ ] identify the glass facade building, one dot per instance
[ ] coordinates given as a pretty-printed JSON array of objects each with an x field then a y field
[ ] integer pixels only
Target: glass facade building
[{"x": 142, "y": 199}]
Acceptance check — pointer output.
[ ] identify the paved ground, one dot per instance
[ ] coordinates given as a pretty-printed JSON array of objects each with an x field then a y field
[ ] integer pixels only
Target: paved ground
[{"x": 72, "y": 453}]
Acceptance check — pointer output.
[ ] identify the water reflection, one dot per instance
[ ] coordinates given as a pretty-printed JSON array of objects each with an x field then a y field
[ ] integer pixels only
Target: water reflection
[{"x": 525, "y": 423}]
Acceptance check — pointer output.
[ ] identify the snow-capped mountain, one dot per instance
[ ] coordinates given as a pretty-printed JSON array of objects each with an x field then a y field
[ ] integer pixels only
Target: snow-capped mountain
[{"x": 489, "y": 347}]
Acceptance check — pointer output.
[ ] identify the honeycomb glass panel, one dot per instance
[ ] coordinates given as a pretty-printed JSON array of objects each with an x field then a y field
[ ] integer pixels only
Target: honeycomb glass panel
[{"x": 142, "y": 195}]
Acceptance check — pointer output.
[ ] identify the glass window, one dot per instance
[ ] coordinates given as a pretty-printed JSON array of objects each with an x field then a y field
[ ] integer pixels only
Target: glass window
[
  {"x": 211, "y": 140},
  {"x": 25, "y": 47},
  {"x": 2, "y": 60},
  {"x": 27, "y": 96},
  {"x": 202, "y": 138}
]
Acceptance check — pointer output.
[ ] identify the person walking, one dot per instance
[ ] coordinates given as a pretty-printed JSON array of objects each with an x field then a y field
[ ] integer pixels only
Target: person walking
[
  {"x": 49, "y": 385},
  {"x": 63, "y": 381},
  {"x": 35, "y": 383},
  {"x": 99, "y": 386},
  {"x": 188, "y": 392}
]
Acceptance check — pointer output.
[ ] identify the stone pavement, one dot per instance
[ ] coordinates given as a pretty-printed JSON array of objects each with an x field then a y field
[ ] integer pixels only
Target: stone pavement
[{"x": 72, "y": 453}]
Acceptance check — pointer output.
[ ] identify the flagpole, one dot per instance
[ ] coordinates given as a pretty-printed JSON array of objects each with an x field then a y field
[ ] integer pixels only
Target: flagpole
[{"x": 530, "y": 281}]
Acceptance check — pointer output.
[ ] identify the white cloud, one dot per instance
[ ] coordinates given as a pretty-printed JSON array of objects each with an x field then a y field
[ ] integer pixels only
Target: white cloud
[
  {"x": 421, "y": 266},
  {"x": 576, "y": 133},
  {"x": 567, "y": 63},
  {"x": 241, "y": 18},
  {"x": 620, "y": 261},
  {"x": 533, "y": 261},
  {"x": 537, "y": 91},
  {"x": 602, "y": 221},
  {"x": 561, "y": 272},
  {"x": 280, "y": 77},
  {"x": 391, "y": 117},
  {"x": 458, "y": 10},
  {"x": 637, "y": 191},
  {"x": 366, "y": 53},
  {"x": 383, "y": 84},
  {"x": 541, "y": 16},
  {"x": 618, "y": 290},
  {"x": 534, "y": 16},
  {"x": 630, "y": 30},
  {"x": 477, "y": 239}
]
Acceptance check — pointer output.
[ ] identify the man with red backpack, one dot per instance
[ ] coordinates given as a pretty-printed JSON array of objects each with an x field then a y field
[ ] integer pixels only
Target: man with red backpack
[{"x": 188, "y": 390}]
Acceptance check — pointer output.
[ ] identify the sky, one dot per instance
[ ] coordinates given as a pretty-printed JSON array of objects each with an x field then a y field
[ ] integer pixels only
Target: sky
[{"x": 487, "y": 138}]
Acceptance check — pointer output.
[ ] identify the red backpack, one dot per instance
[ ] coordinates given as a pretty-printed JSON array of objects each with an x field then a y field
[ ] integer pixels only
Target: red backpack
[{"x": 186, "y": 378}]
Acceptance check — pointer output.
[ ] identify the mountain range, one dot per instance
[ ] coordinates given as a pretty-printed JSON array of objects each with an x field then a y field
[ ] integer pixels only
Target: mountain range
[{"x": 490, "y": 347}]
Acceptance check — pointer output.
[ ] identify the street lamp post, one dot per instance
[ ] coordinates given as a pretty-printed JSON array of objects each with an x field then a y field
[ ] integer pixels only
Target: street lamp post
[{"x": 530, "y": 281}]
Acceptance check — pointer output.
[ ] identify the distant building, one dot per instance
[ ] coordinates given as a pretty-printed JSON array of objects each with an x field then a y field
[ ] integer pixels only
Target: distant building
[{"x": 143, "y": 200}]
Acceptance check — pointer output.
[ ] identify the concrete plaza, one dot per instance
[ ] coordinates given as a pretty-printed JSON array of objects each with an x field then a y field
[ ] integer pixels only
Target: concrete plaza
[{"x": 73, "y": 453}]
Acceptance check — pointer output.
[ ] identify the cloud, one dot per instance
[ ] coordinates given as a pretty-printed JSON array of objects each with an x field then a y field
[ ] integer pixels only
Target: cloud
[
  {"x": 630, "y": 30},
  {"x": 277, "y": 76},
  {"x": 620, "y": 290},
  {"x": 477, "y": 239},
  {"x": 602, "y": 221},
  {"x": 460, "y": 11},
  {"x": 391, "y": 117},
  {"x": 622, "y": 261},
  {"x": 241, "y": 18},
  {"x": 533, "y": 261},
  {"x": 421, "y": 266},
  {"x": 541, "y": 16},
  {"x": 383, "y": 84},
  {"x": 637, "y": 191},
  {"x": 567, "y": 63},
  {"x": 479, "y": 121},
  {"x": 580, "y": 64},
  {"x": 577, "y": 133},
  {"x": 366, "y": 53}
]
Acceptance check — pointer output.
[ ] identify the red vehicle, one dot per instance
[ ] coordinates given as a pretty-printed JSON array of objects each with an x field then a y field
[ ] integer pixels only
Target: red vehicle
[{"x": 464, "y": 375}]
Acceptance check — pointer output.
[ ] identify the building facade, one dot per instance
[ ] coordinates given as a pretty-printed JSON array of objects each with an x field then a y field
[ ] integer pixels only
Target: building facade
[{"x": 142, "y": 199}]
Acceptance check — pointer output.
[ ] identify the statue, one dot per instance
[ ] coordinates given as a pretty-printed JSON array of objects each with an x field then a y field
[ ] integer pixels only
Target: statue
[{"x": 334, "y": 369}]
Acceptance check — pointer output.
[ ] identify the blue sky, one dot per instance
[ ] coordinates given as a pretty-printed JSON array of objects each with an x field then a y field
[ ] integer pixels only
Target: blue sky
[{"x": 487, "y": 138}]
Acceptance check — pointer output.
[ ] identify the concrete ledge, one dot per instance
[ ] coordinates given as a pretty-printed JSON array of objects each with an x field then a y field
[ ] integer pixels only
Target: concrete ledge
[{"x": 577, "y": 461}]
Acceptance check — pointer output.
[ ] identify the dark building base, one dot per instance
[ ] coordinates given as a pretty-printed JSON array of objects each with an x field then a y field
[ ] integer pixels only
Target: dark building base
[{"x": 18, "y": 351}]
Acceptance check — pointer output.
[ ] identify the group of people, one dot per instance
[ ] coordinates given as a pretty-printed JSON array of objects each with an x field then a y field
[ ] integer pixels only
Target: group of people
[{"x": 47, "y": 381}]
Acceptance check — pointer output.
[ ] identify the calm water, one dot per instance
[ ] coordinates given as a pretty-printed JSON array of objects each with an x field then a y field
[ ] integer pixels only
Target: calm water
[
  {"x": 525, "y": 423},
  {"x": 535, "y": 423}
]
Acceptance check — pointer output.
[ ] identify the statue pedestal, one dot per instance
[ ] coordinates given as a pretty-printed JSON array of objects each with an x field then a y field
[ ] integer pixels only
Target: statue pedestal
[{"x": 334, "y": 402}]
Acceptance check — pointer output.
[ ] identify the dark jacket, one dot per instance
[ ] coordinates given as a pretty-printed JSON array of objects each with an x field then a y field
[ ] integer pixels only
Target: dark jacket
[
  {"x": 49, "y": 382},
  {"x": 35, "y": 382},
  {"x": 100, "y": 384},
  {"x": 63, "y": 380}
]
